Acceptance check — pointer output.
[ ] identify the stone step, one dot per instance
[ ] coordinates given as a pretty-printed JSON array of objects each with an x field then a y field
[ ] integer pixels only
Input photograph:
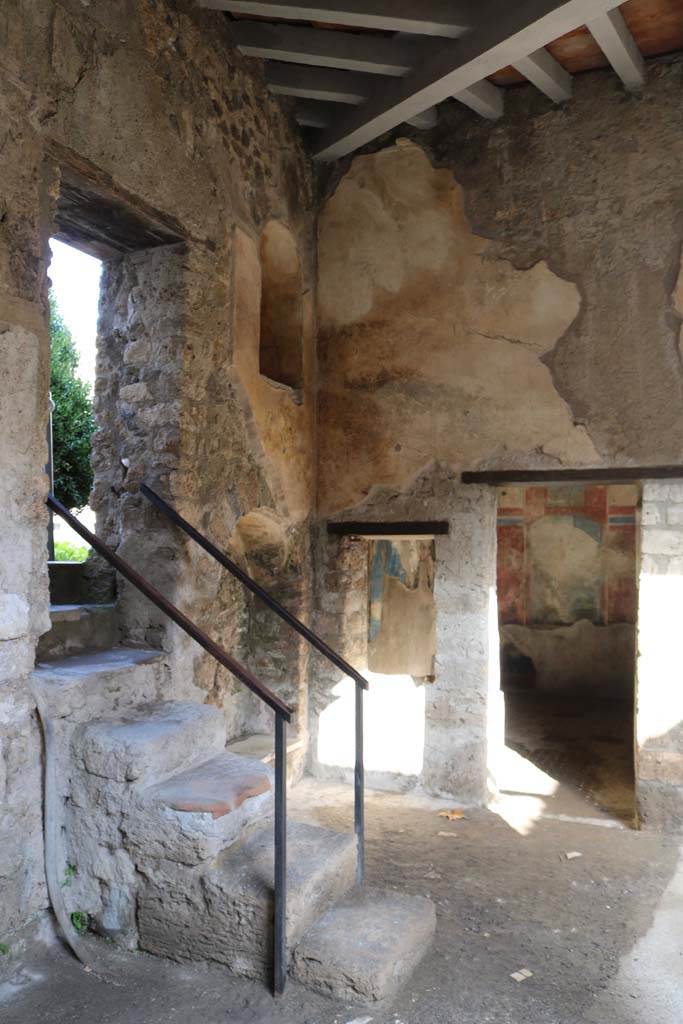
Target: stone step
[
  {"x": 77, "y": 628},
  {"x": 224, "y": 912},
  {"x": 364, "y": 948},
  {"x": 194, "y": 815},
  {"x": 151, "y": 742},
  {"x": 84, "y": 686},
  {"x": 262, "y": 746}
]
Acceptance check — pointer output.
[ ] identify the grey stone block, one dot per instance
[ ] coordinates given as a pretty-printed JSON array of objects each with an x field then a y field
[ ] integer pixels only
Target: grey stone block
[
  {"x": 365, "y": 948},
  {"x": 84, "y": 686},
  {"x": 152, "y": 741},
  {"x": 77, "y": 628},
  {"x": 196, "y": 814},
  {"x": 224, "y": 912}
]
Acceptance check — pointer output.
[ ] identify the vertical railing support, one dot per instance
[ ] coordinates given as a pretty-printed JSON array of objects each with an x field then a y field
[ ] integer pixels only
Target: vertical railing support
[
  {"x": 359, "y": 790},
  {"x": 280, "y": 924}
]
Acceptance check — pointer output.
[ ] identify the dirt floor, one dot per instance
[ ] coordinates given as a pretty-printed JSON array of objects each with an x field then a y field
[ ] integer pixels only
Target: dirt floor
[
  {"x": 584, "y": 744},
  {"x": 601, "y": 933}
]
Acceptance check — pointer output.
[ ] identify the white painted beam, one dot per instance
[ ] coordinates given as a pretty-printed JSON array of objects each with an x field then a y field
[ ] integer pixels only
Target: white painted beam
[
  {"x": 547, "y": 74},
  {"x": 427, "y": 119},
  {"x": 520, "y": 28},
  {"x": 611, "y": 33},
  {"x": 317, "y": 114},
  {"x": 314, "y": 114},
  {"x": 378, "y": 55},
  {"x": 449, "y": 18},
  {"x": 326, "y": 84},
  {"x": 484, "y": 98}
]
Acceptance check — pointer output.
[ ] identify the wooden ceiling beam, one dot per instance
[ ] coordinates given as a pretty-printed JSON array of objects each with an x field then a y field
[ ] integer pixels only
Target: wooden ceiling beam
[
  {"x": 485, "y": 99},
  {"x": 448, "y": 18},
  {"x": 612, "y": 35},
  {"x": 318, "y": 47},
  {"x": 516, "y": 30},
  {"x": 330, "y": 84},
  {"x": 547, "y": 74}
]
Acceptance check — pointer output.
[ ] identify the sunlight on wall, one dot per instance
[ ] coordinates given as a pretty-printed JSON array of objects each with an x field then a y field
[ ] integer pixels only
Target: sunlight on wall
[
  {"x": 495, "y": 704},
  {"x": 394, "y": 722},
  {"x": 660, "y": 694}
]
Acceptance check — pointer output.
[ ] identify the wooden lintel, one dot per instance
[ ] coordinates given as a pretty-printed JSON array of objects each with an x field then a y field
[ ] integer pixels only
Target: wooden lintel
[
  {"x": 615, "y": 474},
  {"x": 422, "y": 529}
]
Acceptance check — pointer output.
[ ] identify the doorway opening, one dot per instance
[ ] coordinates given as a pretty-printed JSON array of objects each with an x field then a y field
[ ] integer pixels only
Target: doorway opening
[{"x": 567, "y": 606}]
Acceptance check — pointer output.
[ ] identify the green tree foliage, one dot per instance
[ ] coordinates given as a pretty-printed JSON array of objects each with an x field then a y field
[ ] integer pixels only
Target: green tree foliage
[{"x": 72, "y": 419}]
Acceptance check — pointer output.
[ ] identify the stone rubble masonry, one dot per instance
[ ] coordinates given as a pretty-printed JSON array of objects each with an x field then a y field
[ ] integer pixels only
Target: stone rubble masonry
[
  {"x": 659, "y": 718},
  {"x": 148, "y": 100}
]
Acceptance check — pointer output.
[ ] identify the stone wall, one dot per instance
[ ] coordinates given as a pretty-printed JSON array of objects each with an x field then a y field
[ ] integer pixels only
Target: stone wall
[
  {"x": 146, "y": 102},
  {"x": 659, "y": 719},
  {"x": 500, "y": 296}
]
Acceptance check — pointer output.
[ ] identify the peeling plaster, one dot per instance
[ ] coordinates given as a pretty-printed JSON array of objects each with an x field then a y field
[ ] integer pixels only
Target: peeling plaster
[{"x": 432, "y": 346}]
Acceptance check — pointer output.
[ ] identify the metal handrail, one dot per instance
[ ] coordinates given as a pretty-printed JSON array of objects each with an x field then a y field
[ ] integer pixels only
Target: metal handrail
[
  {"x": 283, "y": 714},
  {"x": 312, "y": 638}
]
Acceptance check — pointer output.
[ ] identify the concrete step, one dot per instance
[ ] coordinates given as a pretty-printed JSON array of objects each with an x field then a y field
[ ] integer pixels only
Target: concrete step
[
  {"x": 152, "y": 741},
  {"x": 83, "y": 686},
  {"x": 364, "y": 948},
  {"x": 77, "y": 628},
  {"x": 262, "y": 746},
  {"x": 224, "y": 912},
  {"x": 196, "y": 814}
]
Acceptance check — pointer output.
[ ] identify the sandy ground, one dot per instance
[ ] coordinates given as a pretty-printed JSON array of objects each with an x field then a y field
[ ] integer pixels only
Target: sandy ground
[{"x": 602, "y": 933}]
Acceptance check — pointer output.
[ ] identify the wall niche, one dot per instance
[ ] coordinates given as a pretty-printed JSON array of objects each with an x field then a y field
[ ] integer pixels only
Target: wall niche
[{"x": 281, "y": 339}]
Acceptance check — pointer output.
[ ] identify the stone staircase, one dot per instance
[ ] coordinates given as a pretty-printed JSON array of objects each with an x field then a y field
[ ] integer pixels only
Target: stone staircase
[{"x": 168, "y": 834}]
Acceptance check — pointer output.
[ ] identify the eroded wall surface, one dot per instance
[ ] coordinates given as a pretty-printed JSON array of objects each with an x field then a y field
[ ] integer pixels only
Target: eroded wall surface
[
  {"x": 148, "y": 102},
  {"x": 500, "y": 297}
]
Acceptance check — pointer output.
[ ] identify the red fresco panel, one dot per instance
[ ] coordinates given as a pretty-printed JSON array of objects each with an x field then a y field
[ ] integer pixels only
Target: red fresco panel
[
  {"x": 596, "y": 503},
  {"x": 511, "y": 574}
]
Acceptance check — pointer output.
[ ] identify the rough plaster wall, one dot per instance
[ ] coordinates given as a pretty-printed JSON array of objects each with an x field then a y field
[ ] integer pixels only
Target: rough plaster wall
[
  {"x": 659, "y": 695},
  {"x": 147, "y": 98},
  {"x": 593, "y": 187},
  {"x": 513, "y": 297},
  {"x": 415, "y": 312}
]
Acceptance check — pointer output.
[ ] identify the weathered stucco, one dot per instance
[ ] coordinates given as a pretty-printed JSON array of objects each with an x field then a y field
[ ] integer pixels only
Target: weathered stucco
[{"x": 430, "y": 343}]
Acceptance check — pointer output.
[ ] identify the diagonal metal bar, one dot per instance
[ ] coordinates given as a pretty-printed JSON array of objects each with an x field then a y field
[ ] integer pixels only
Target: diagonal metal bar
[
  {"x": 157, "y": 598},
  {"x": 254, "y": 587}
]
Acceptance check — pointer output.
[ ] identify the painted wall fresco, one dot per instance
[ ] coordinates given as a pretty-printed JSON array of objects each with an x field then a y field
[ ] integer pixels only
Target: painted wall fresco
[
  {"x": 567, "y": 553},
  {"x": 401, "y": 612}
]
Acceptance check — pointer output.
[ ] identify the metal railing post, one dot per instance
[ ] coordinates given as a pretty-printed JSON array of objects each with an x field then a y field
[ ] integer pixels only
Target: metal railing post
[
  {"x": 280, "y": 923},
  {"x": 359, "y": 790}
]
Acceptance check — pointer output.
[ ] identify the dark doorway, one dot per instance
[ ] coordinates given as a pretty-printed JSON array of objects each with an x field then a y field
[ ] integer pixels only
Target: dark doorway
[{"x": 567, "y": 601}]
